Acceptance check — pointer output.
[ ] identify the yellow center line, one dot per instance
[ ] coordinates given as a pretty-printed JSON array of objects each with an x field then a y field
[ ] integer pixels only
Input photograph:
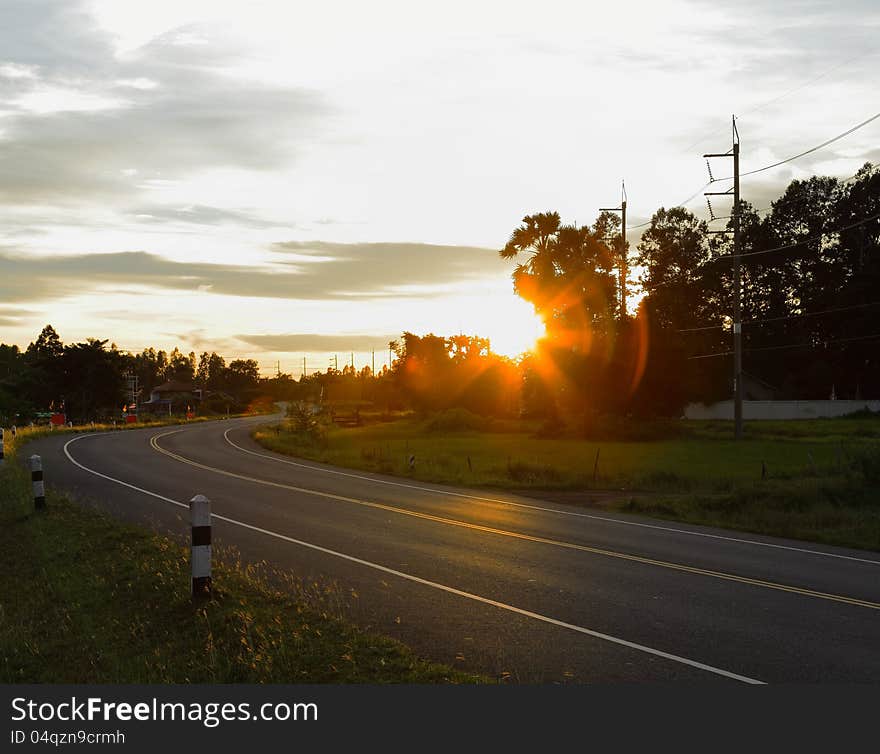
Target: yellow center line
[{"x": 519, "y": 535}]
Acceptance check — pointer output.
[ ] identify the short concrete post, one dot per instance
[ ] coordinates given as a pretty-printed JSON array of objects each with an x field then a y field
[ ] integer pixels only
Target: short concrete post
[
  {"x": 37, "y": 480},
  {"x": 14, "y": 431},
  {"x": 200, "y": 520}
]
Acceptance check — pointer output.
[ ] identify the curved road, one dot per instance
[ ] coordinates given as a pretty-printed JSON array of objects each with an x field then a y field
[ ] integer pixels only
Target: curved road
[{"x": 496, "y": 583}]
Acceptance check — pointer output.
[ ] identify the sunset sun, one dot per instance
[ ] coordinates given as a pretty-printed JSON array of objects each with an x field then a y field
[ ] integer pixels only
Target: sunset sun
[{"x": 512, "y": 326}]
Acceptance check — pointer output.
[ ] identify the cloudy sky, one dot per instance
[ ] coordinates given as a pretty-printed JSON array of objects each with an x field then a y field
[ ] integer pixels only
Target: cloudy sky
[{"x": 280, "y": 179}]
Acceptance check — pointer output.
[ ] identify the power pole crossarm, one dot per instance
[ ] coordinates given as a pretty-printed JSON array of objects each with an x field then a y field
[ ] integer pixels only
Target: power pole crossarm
[
  {"x": 737, "y": 297},
  {"x": 623, "y": 266},
  {"x": 737, "y": 284}
]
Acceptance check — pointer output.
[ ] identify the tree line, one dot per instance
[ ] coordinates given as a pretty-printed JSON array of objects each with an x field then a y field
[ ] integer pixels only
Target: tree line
[
  {"x": 810, "y": 299},
  {"x": 88, "y": 381}
]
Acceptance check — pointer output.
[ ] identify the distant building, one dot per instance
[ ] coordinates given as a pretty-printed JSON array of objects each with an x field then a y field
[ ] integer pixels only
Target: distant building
[
  {"x": 171, "y": 396},
  {"x": 759, "y": 410},
  {"x": 763, "y": 401}
]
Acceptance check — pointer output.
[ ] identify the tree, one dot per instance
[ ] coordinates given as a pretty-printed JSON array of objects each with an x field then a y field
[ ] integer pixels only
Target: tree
[
  {"x": 43, "y": 357},
  {"x": 93, "y": 380},
  {"x": 242, "y": 376},
  {"x": 181, "y": 368},
  {"x": 674, "y": 252},
  {"x": 568, "y": 276},
  {"x": 47, "y": 346}
]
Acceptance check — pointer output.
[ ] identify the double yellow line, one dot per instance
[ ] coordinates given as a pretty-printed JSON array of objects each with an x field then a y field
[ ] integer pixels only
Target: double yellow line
[{"x": 518, "y": 535}]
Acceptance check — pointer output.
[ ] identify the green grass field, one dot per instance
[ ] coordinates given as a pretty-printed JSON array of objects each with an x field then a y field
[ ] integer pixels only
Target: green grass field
[
  {"x": 85, "y": 599},
  {"x": 816, "y": 480}
]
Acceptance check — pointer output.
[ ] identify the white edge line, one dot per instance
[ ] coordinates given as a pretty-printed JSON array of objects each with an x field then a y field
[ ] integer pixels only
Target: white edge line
[
  {"x": 426, "y": 582},
  {"x": 607, "y": 519}
]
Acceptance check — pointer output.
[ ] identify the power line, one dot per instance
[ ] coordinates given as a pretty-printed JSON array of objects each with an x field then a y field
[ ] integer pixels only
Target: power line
[
  {"x": 768, "y": 167},
  {"x": 806, "y": 152},
  {"x": 767, "y": 103},
  {"x": 710, "y": 355},
  {"x": 817, "y": 237},
  {"x": 812, "y": 314},
  {"x": 787, "y": 317},
  {"x": 793, "y": 201},
  {"x": 760, "y": 252},
  {"x": 701, "y": 329},
  {"x": 648, "y": 289},
  {"x": 822, "y": 342},
  {"x": 680, "y": 204}
]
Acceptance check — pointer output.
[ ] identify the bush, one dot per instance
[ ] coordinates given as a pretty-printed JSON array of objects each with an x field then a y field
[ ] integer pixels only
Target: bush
[
  {"x": 304, "y": 421},
  {"x": 456, "y": 420}
]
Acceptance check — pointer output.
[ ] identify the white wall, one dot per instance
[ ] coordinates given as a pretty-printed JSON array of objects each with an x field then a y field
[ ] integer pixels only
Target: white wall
[{"x": 754, "y": 410}]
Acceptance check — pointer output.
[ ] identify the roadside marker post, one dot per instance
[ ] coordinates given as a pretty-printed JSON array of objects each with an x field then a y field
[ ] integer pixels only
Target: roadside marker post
[
  {"x": 37, "y": 480},
  {"x": 200, "y": 520},
  {"x": 1, "y": 446}
]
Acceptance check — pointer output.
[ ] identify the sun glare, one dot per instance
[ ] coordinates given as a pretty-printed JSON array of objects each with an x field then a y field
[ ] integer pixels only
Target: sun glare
[{"x": 510, "y": 324}]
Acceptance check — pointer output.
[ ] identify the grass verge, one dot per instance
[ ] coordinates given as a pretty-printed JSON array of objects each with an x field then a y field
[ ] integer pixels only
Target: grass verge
[
  {"x": 816, "y": 480},
  {"x": 32, "y": 433},
  {"x": 835, "y": 512},
  {"x": 86, "y": 599}
]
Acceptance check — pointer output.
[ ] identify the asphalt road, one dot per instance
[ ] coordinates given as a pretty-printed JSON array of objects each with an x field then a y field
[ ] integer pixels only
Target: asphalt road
[{"x": 497, "y": 583}]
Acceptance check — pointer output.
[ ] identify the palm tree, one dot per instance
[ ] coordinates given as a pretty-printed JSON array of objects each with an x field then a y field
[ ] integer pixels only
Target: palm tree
[{"x": 568, "y": 274}]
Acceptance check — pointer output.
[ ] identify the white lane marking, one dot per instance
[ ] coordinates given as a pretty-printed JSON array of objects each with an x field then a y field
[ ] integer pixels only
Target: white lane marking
[
  {"x": 426, "y": 582},
  {"x": 154, "y": 443},
  {"x": 594, "y": 517}
]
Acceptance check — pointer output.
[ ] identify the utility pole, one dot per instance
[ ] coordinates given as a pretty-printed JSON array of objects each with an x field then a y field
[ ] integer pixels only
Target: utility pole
[
  {"x": 304, "y": 366},
  {"x": 352, "y": 361},
  {"x": 737, "y": 281},
  {"x": 133, "y": 391},
  {"x": 373, "y": 368},
  {"x": 623, "y": 268}
]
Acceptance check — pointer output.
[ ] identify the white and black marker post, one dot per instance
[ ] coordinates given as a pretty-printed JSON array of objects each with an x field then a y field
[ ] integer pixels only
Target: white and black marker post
[
  {"x": 37, "y": 479},
  {"x": 200, "y": 519}
]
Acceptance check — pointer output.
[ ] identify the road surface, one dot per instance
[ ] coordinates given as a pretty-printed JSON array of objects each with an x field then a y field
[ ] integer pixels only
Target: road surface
[{"x": 487, "y": 581}]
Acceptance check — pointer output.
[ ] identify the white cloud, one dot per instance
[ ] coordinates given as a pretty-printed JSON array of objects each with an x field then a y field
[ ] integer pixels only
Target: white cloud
[
  {"x": 207, "y": 132},
  {"x": 48, "y": 100},
  {"x": 138, "y": 83},
  {"x": 16, "y": 71}
]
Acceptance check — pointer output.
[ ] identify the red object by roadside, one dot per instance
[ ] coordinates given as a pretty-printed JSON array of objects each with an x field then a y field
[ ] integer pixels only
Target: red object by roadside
[
  {"x": 131, "y": 419},
  {"x": 59, "y": 420}
]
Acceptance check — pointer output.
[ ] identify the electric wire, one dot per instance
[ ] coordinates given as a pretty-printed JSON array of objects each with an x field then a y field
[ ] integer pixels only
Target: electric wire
[
  {"x": 784, "y": 318},
  {"x": 805, "y": 152},
  {"x": 821, "y": 343}
]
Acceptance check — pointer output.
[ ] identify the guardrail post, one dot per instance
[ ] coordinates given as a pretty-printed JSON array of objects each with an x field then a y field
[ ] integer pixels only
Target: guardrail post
[
  {"x": 200, "y": 520},
  {"x": 37, "y": 479}
]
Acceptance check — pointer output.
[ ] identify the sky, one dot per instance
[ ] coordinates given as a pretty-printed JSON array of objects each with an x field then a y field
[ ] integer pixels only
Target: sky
[{"x": 288, "y": 180}]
